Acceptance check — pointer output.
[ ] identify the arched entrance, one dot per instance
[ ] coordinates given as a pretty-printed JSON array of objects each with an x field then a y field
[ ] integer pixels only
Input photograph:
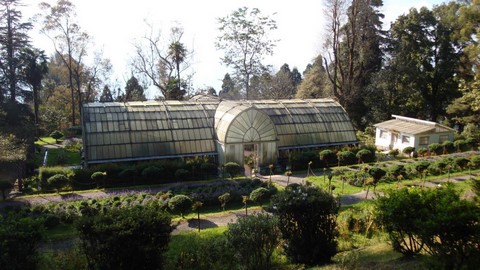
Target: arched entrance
[{"x": 245, "y": 134}]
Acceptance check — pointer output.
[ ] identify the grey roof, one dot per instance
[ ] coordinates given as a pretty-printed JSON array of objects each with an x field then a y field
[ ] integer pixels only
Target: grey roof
[
  {"x": 412, "y": 126},
  {"x": 162, "y": 129}
]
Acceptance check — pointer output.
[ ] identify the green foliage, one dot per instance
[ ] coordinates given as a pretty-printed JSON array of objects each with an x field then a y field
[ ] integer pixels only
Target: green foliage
[
  {"x": 233, "y": 169},
  {"x": 224, "y": 199},
  {"x": 394, "y": 153},
  {"x": 58, "y": 182},
  {"x": 182, "y": 174},
  {"x": 365, "y": 156},
  {"x": 152, "y": 173},
  {"x": 435, "y": 148},
  {"x": 4, "y": 186},
  {"x": 408, "y": 150},
  {"x": 205, "y": 250},
  {"x": 461, "y": 162},
  {"x": 260, "y": 195},
  {"x": 346, "y": 158},
  {"x": 20, "y": 238},
  {"x": 99, "y": 178},
  {"x": 436, "y": 221},
  {"x": 180, "y": 204},
  {"x": 131, "y": 238},
  {"x": 307, "y": 220},
  {"x": 448, "y": 147},
  {"x": 328, "y": 157},
  {"x": 57, "y": 135},
  {"x": 460, "y": 145},
  {"x": 253, "y": 239}
]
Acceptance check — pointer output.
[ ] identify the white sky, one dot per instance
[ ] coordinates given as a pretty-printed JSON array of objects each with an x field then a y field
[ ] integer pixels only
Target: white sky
[{"x": 115, "y": 24}]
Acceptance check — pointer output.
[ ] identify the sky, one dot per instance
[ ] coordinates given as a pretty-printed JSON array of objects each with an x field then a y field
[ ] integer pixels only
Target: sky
[{"x": 114, "y": 26}]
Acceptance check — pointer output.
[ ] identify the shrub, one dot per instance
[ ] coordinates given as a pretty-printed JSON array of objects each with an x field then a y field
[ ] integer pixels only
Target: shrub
[
  {"x": 47, "y": 172},
  {"x": 394, "y": 153},
  {"x": 346, "y": 158},
  {"x": 58, "y": 182},
  {"x": 461, "y": 162},
  {"x": 328, "y": 157},
  {"x": 307, "y": 220},
  {"x": 131, "y": 238},
  {"x": 472, "y": 143},
  {"x": 408, "y": 150},
  {"x": 224, "y": 199},
  {"x": 57, "y": 135},
  {"x": 253, "y": 239},
  {"x": 180, "y": 204},
  {"x": 99, "y": 178},
  {"x": 208, "y": 168},
  {"x": 260, "y": 195},
  {"x": 422, "y": 151},
  {"x": 448, "y": 147},
  {"x": 233, "y": 169},
  {"x": 182, "y": 174},
  {"x": 365, "y": 156},
  {"x": 461, "y": 145},
  {"x": 436, "y": 148},
  {"x": 20, "y": 237},
  {"x": 152, "y": 173}
]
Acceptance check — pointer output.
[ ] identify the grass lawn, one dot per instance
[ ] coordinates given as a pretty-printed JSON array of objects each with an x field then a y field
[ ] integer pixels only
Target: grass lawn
[
  {"x": 45, "y": 140},
  {"x": 60, "y": 155}
]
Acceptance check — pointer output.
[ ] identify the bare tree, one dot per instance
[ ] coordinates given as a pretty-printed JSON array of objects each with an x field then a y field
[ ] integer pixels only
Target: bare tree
[{"x": 163, "y": 67}]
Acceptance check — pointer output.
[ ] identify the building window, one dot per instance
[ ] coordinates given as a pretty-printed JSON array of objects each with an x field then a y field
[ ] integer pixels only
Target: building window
[
  {"x": 383, "y": 134},
  {"x": 443, "y": 138},
  {"x": 423, "y": 140},
  {"x": 405, "y": 139}
]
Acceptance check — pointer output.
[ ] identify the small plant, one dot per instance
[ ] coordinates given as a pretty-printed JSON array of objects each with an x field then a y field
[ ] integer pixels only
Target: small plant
[
  {"x": 408, "y": 150},
  {"x": 57, "y": 135},
  {"x": 224, "y": 199},
  {"x": 180, "y": 204},
  {"x": 260, "y": 195},
  {"x": 58, "y": 182},
  {"x": 233, "y": 169},
  {"x": 99, "y": 178}
]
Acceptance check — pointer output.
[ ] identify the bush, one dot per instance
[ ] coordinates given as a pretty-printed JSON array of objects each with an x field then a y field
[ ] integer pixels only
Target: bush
[
  {"x": 233, "y": 169},
  {"x": 253, "y": 239},
  {"x": 436, "y": 221},
  {"x": 436, "y": 148},
  {"x": 47, "y": 172},
  {"x": 408, "y": 150},
  {"x": 460, "y": 145},
  {"x": 307, "y": 220},
  {"x": 131, "y": 238},
  {"x": 180, "y": 204},
  {"x": 328, "y": 157},
  {"x": 365, "y": 156},
  {"x": 394, "y": 153},
  {"x": 57, "y": 135},
  {"x": 422, "y": 151},
  {"x": 260, "y": 195},
  {"x": 448, "y": 147},
  {"x": 182, "y": 175},
  {"x": 346, "y": 158},
  {"x": 224, "y": 199},
  {"x": 58, "y": 182},
  {"x": 20, "y": 237},
  {"x": 152, "y": 173},
  {"x": 99, "y": 178}
]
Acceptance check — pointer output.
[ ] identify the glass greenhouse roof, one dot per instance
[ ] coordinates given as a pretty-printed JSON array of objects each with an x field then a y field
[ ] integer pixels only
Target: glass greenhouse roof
[
  {"x": 148, "y": 130},
  {"x": 162, "y": 129}
]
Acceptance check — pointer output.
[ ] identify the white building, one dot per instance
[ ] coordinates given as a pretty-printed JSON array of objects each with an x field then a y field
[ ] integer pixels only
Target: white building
[{"x": 402, "y": 132}]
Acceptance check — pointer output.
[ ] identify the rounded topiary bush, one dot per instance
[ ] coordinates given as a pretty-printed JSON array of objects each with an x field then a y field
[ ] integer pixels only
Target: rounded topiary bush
[
  {"x": 182, "y": 174},
  {"x": 58, "y": 182},
  {"x": 408, "y": 150},
  {"x": 152, "y": 173},
  {"x": 233, "y": 169},
  {"x": 180, "y": 204},
  {"x": 436, "y": 148}
]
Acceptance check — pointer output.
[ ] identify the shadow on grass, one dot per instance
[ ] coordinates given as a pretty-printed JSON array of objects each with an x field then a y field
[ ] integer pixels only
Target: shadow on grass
[{"x": 204, "y": 223}]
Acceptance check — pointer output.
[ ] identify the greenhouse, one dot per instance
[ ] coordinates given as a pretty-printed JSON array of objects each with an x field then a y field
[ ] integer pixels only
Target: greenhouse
[{"x": 206, "y": 126}]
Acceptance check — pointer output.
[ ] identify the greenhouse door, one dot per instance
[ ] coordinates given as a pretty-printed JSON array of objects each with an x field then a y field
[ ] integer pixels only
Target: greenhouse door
[{"x": 250, "y": 153}]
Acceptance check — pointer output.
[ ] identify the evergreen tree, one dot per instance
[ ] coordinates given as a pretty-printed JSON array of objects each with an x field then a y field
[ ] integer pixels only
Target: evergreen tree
[
  {"x": 134, "y": 91},
  {"x": 13, "y": 39},
  {"x": 106, "y": 95}
]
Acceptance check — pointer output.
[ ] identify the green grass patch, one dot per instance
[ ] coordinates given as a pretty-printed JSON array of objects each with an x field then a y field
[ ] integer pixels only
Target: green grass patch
[
  {"x": 45, "y": 141},
  {"x": 61, "y": 232},
  {"x": 340, "y": 188},
  {"x": 60, "y": 156}
]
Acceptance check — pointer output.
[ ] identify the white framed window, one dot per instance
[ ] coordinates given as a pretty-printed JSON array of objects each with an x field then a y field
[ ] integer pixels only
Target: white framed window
[
  {"x": 405, "y": 139},
  {"x": 383, "y": 134}
]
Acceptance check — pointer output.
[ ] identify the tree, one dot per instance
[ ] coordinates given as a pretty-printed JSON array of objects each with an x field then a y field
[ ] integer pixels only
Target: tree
[
  {"x": 245, "y": 41},
  {"x": 131, "y": 238},
  {"x": 106, "y": 95},
  {"x": 34, "y": 68},
  {"x": 133, "y": 91},
  {"x": 423, "y": 61},
  {"x": 57, "y": 135},
  {"x": 355, "y": 52},
  {"x": 70, "y": 44},
  {"x": 254, "y": 238},
  {"x": 315, "y": 82},
  {"x": 284, "y": 84},
  {"x": 307, "y": 220},
  {"x": 229, "y": 90},
  {"x": 259, "y": 195},
  {"x": 13, "y": 39},
  {"x": 163, "y": 66},
  {"x": 377, "y": 174}
]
